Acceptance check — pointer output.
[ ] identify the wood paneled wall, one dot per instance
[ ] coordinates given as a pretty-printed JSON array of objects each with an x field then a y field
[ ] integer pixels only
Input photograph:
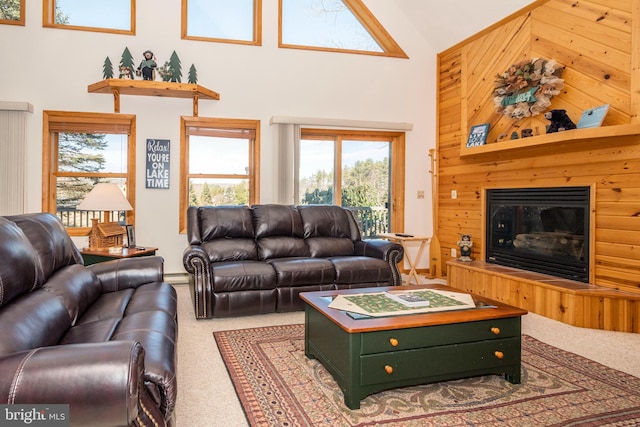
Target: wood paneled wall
[{"x": 598, "y": 41}]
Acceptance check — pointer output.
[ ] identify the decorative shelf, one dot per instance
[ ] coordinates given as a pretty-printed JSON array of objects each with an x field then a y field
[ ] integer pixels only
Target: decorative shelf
[
  {"x": 152, "y": 88},
  {"x": 569, "y": 136}
]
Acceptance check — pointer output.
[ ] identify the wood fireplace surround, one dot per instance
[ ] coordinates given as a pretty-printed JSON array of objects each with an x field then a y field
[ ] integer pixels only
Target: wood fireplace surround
[{"x": 599, "y": 45}]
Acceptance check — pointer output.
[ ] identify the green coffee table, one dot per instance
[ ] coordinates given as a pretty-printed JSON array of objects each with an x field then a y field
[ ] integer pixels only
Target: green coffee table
[{"x": 366, "y": 356}]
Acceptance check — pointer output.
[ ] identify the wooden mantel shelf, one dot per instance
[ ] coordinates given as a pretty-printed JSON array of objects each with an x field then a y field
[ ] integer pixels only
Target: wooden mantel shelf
[
  {"x": 570, "y": 136},
  {"x": 152, "y": 88}
]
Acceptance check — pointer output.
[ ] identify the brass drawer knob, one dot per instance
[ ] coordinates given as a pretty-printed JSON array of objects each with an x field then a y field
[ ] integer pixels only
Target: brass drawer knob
[
  {"x": 394, "y": 342},
  {"x": 495, "y": 330},
  {"x": 388, "y": 369},
  {"x": 499, "y": 354}
]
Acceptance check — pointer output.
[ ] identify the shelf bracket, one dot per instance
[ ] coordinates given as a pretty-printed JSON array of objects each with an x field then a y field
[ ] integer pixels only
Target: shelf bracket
[
  {"x": 116, "y": 100},
  {"x": 195, "y": 105}
]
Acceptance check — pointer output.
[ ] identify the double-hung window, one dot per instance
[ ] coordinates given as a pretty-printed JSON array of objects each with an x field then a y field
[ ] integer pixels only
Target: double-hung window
[
  {"x": 219, "y": 163},
  {"x": 81, "y": 150}
]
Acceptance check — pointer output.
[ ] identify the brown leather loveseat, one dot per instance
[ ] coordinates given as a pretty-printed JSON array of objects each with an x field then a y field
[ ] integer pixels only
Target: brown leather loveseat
[
  {"x": 252, "y": 260},
  {"x": 101, "y": 339}
]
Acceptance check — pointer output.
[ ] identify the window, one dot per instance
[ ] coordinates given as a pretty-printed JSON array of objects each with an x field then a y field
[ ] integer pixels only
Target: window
[
  {"x": 12, "y": 12},
  {"x": 228, "y": 21},
  {"x": 79, "y": 151},
  {"x": 113, "y": 16},
  {"x": 360, "y": 170},
  {"x": 334, "y": 25},
  {"x": 219, "y": 163}
]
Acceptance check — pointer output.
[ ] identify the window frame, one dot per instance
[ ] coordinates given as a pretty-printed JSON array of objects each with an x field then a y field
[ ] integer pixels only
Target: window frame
[
  {"x": 49, "y": 20},
  {"x": 85, "y": 122},
  {"x": 217, "y": 123},
  {"x": 257, "y": 27},
  {"x": 397, "y": 140},
  {"x": 390, "y": 48},
  {"x": 20, "y": 21}
]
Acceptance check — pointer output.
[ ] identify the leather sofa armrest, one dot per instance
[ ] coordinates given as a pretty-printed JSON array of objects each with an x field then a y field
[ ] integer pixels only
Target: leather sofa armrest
[
  {"x": 196, "y": 262},
  {"x": 103, "y": 383},
  {"x": 390, "y": 252},
  {"x": 128, "y": 272}
]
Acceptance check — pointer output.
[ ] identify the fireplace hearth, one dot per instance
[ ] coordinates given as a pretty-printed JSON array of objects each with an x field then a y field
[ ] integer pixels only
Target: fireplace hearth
[{"x": 545, "y": 230}]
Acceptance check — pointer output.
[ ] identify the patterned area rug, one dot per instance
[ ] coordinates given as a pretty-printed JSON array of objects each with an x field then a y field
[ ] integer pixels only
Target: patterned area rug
[{"x": 279, "y": 386}]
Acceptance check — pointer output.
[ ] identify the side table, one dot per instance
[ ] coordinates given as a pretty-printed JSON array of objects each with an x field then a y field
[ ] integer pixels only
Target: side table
[
  {"x": 94, "y": 256},
  {"x": 403, "y": 239}
]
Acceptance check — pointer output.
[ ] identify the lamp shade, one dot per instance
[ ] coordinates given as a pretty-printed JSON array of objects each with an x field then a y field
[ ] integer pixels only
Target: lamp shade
[{"x": 105, "y": 197}]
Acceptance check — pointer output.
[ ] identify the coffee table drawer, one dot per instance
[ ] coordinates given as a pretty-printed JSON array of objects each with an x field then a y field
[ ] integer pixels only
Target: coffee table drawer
[
  {"x": 431, "y": 336},
  {"x": 441, "y": 361}
]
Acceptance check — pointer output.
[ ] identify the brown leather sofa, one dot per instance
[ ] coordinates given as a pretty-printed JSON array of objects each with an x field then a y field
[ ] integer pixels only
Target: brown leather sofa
[
  {"x": 252, "y": 260},
  {"x": 101, "y": 339}
]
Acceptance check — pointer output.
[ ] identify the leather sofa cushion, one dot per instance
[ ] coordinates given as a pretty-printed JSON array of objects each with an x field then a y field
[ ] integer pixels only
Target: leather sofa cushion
[
  {"x": 224, "y": 222},
  {"x": 53, "y": 245},
  {"x": 325, "y": 221},
  {"x": 231, "y": 249},
  {"x": 360, "y": 269},
  {"x": 276, "y": 220},
  {"x": 35, "y": 320},
  {"x": 153, "y": 297},
  {"x": 91, "y": 332},
  {"x": 19, "y": 271},
  {"x": 303, "y": 271},
  {"x": 281, "y": 247},
  {"x": 108, "y": 306},
  {"x": 329, "y": 246},
  {"x": 243, "y": 276},
  {"x": 77, "y": 287}
]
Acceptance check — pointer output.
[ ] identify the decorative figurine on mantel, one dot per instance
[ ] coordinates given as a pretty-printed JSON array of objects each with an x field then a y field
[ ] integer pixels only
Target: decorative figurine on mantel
[
  {"x": 148, "y": 66},
  {"x": 465, "y": 245},
  {"x": 560, "y": 121}
]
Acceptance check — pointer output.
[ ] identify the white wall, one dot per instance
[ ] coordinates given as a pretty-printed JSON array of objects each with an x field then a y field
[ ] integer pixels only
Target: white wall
[{"x": 52, "y": 68}]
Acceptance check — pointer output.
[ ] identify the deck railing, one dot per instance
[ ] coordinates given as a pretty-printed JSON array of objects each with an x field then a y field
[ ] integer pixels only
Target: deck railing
[
  {"x": 72, "y": 217},
  {"x": 372, "y": 221}
]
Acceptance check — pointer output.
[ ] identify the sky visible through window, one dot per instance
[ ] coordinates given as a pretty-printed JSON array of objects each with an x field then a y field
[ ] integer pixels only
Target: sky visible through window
[
  {"x": 318, "y": 23},
  {"x": 115, "y": 14},
  {"x": 319, "y": 155},
  {"x": 324, "y": 23},
  {"x": 223, "y": 19}
]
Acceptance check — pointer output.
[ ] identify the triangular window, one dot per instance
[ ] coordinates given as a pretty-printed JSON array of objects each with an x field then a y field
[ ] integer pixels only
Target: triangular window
[{"x": 334, "y": 25}]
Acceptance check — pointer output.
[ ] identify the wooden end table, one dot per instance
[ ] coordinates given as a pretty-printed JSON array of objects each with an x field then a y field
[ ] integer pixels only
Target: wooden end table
[
  {"x": 94, "y": 256},
  {"x": 403, "y": 240},
  {"x": 369, "y": 355}
]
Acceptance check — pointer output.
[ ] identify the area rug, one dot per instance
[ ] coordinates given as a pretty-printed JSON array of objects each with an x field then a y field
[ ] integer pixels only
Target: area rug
[{"x": 279, "y": 386}]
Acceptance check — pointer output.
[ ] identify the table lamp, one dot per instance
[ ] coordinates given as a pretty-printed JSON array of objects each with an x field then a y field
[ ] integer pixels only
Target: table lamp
[{"x": 105, "y": 197}]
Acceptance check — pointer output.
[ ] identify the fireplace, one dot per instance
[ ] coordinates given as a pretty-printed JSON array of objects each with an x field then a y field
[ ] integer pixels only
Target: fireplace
[{"x": 545, "y": 230}]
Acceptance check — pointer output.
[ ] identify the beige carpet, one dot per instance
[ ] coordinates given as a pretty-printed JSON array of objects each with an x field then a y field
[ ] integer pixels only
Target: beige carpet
[{"x": 206, "y": 397}]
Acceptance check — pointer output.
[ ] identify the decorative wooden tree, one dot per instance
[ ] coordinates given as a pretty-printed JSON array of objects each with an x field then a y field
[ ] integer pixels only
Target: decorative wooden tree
[
  {"x": 127, "y": 66},
  {"x": 107, "y": 69},
  {"x": 175, "y": 68},
  {"x": 193, "y": 74}
]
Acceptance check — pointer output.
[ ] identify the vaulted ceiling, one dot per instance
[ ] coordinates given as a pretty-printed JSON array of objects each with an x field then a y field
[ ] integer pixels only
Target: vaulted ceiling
[{"x": 445, "y": 23}]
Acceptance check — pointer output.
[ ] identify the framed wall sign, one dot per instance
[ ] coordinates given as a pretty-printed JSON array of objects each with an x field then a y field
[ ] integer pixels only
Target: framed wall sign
[
  {"x": 478, "y": 135},
  {"x": 157, "y": 161}
]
